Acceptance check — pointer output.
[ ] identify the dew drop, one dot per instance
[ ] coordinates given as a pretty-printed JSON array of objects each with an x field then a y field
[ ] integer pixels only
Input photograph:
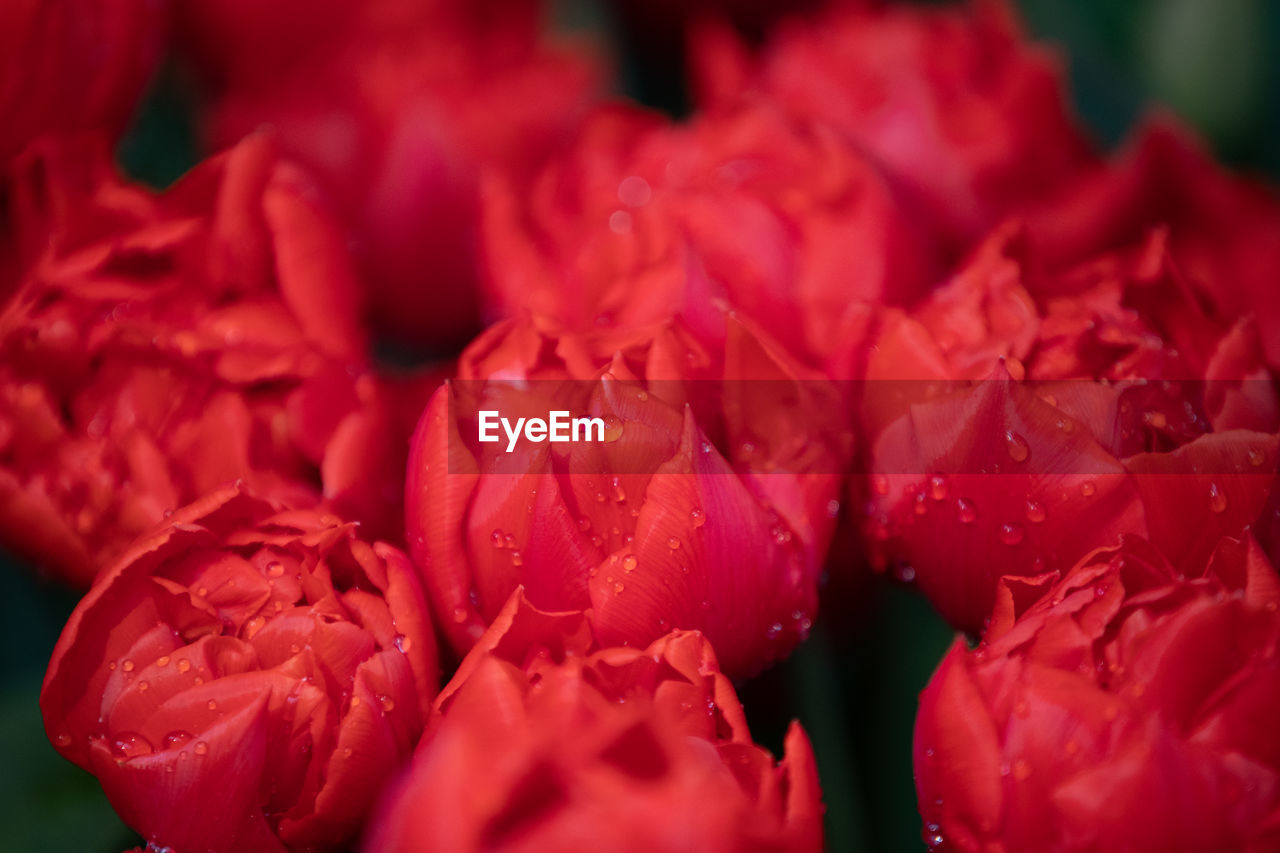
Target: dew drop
[
  {"x": 516, "y": 559},
  {"x": 403, "y": 643},
  {"x": 212, "y": 705},
  {"x": 177, "y": 739},
  {"x": 275, "y": 569},
  {"x": 1256, "y": 457},
  {"x": 966, "y": 511},
  {"x": 1067, "y": 425},
  {"x": 63, "y": 739},
  {"x": 1156, "y": 420},
  {"x": 774, "y": 630},
  {"x": 347, "y": 752},
  {"x": 111, "y": 665},
  {"x": 163, "y": 660},
  {"x": 1217, "y": 499},
  {"x": 938, "y": 488},
  {"x": 584, "y": 524},
  {"x": 1035, "y": 511},
  {"x": 879, "y": 484},
  {"x": 1017, "y": 446},
  {"x": 130, "y": 745},
  {"x": 907, "y": 574},
  {"x": 1088, "y": 488},
  {"x": 833, "y": 508},
  {"x": 617, "y": 587},
  {"x": 630, "y": 562},
  {"x": 509, "y": 541},
  {"x": 387, "y": 703},
  {"x": 612, "y": 428},
  {"x": 1011, "y": 533},
  {"x": 355, "y": 701},
  {"x": 459, "y": 615},
  {"x": 183, "y": 664},
  {"x": 697, "y": 516},
  {"x": 619, "y": 493},
  {"x": 127, "y": 666},
  {"x": 200, "y": 748},
  {"x": 673, "y": 543},
  {"x": 144, "y": 686}
]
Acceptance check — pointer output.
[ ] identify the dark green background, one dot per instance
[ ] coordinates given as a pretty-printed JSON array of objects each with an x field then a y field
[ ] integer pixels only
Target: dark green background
[{"x": 854, "y": 684}]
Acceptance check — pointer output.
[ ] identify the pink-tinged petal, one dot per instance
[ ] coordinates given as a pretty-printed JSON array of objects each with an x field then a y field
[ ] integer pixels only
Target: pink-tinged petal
[
  {"x": 316, "y": 274},
  {"x": 165, "y": 798},
  {"x": 441, "y": 479},
  {"x": 804, "y": 807},
  {"x": 957, "y": 754},
  {"x": 736, "y": 567},
  {"x": 1238, "y": 390},
  {"x": 1213, "y": 487}
]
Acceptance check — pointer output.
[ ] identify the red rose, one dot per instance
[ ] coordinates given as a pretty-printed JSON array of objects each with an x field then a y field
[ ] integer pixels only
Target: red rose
[
  {"x": 156, "y": 347},
  {"x": 73, "y": 65},
  {"x": 397, "y": 108},
  {"x": 1020, "y": 420},
  {"x": 596, "y": 748},
  {"x": 1127, "y": 709},
  {"x": 951, "y": 102},
  {"x": 642, "y": 220},
  {"x": 708, "y": 504},
  {"x": 244, "y": 678},
  {"x": 1224, "y": 230}
]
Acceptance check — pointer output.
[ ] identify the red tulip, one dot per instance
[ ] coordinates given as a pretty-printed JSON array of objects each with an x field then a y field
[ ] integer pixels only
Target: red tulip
[
  {"x": 74, "y": 65},
  {"x": 156, "y": 347},
  {"x": 244, "y": 678},
  {"x": 1224, "y": 230},
  {"x": 397, "y": 108},
  {"x": 1126, "y": 709},
  {"x": 642, "y": 220},
  {"x": 1019, "y": 421},
  {"x": 705, "y": 501},
  {"x": 545, "y": 741},
  {"x": 952, "y": 102}
]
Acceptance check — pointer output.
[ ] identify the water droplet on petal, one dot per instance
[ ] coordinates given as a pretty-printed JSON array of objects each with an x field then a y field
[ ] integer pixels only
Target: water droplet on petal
[
  {"x": 177, "y": 739},
  {"x": 673, "y": 543},
  {"x": 1017, "y": 446},
  {"x": 130, "y": 745},
  {"x": 144, "y": 686},
  {"x": 697, "y": 516},
  {"x": 629, "y": 563},
  {"x": 516, "y": 559},
  {"x": 200, "y": 748},
  {"x": 459, "y": 615},
  {"x": 63, "y": 739},
  {"x": 966, "y": 511},
  {"x": 127, "y": 665},
  {"x": 1256, "y": 457},
  {"x": 387, "y": 703},
  {"x": 212, "y": 705},
  {"x": 1217, "y": 498},
  {"x": 619, "y": 493},
  {"x": 275, "y": 569},
  {"x": 404, "y": 644},
  {"x": 921, "y": 504},
  {"x": 183, "y": 664},
  {"x": 1011, "y": 533},
  {"x": 907, "y": 574},
  {"x": 938, "y": 487},
  {"x": 1035, "y": 512},
  {"x": 617, "y": 587},
  {"x": 879, "y": 484},
  {"x": 1088, "y": 488}
]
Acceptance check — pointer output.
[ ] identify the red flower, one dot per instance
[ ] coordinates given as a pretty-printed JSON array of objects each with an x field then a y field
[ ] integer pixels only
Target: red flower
[
  {"x": 72, "y": 65},
  {"x": 397, "y": 108},
  {"x": 1020, "y": 420},
  {"x": 951, "y": 102},
  {"x": 708, "y": 505},
  {"x": 643, "y": 220},
  {"x": 1124, "y": 710},
  {"x": 244, "y": 678},
  {"x": 545, "y": 741},
  {"x": 1224, "y": 231},
  {"x": 156, "y": 347}
]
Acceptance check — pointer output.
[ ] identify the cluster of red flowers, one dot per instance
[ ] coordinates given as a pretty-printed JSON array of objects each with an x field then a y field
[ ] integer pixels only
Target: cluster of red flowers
[{"x": 880, "y": 287}]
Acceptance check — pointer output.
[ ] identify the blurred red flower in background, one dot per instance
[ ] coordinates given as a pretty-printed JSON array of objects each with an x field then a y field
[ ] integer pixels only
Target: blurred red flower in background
[
  {"x": 245, "y": 678},
  {"x": 1018, "y": 419},
  {"x": 545, "y": 741},
  {"x": 156, "y": 347},
  {"x": 74, "y": 65},
  {"x": 397, "y": 108},
  {"x": 1123, "y": 708},
  {"x": 1224, "y": 230},
  {"x": 953, "y": 103},
  {"x": 708, "y": 505},
  {"x": 642, "y": 220}
]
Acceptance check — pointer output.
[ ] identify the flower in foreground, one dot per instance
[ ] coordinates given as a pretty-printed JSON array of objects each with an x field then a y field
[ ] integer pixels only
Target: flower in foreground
[
  {"x": 245, "y": 678},
  {"x": 546, "y": 741}
]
